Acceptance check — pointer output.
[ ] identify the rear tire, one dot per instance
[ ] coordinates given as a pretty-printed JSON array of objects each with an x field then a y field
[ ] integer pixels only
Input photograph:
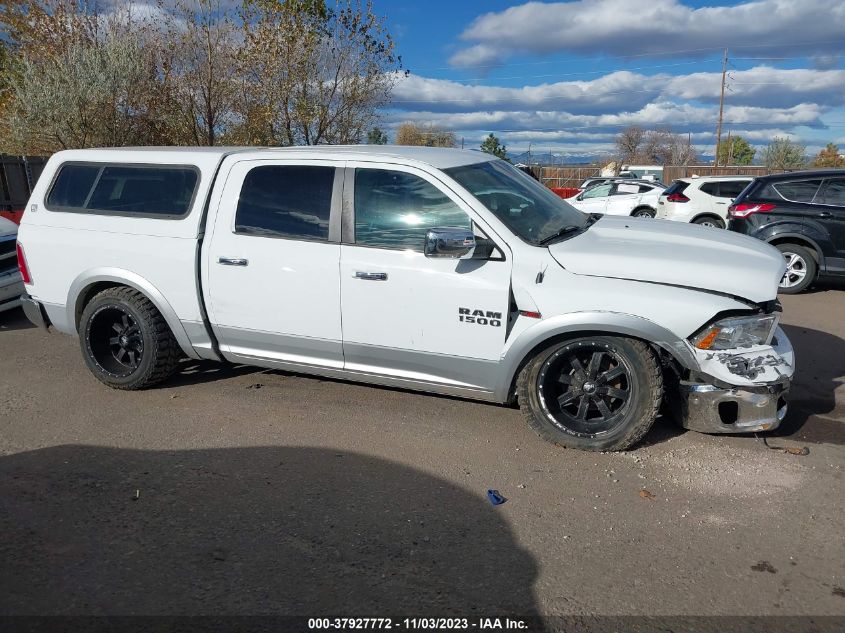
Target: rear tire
[
  {"x": 595, "y": 393},
  {"x": 801, "y": 269},
  {"x": 710, "y": 221},
  {"x": 125, "y": 341}
]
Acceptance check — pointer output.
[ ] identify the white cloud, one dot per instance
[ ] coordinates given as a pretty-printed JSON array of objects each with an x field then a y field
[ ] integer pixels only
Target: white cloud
[
  {"x": 802, "y": 95},
  {"x": 475, "y": 56},
  {"x": 609, "y": 93},
  {"x": 619, "y": 27}
]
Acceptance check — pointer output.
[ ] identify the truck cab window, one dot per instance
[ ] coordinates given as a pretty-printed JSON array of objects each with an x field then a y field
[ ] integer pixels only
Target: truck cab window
[
  {"x": 395, "y": 209},
  {"x": 290, "y": 201}
]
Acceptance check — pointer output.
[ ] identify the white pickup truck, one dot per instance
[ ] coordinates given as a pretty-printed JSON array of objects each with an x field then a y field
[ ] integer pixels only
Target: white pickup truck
[{"x": 439, "y": 270}]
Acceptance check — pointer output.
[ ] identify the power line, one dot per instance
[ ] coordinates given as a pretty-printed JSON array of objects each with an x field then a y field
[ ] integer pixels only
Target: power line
[{"x": 586, "y": 72}]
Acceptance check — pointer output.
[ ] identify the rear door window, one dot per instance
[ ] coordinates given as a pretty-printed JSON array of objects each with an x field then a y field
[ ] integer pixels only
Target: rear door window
[
  {"x": 625, "y": 189},
  {"x": 134, "y": 190},
  {"x": 798, "y": 190},
  {"x": 834, "y": 192},
  {"x": 710, "y": 188},
  {"x": 289, "y": 201},
  {"x": 731, "y": 188}
]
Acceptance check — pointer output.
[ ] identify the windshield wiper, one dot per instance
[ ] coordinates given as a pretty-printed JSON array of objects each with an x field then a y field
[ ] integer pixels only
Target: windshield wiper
[{"x": 559, "y": 234}]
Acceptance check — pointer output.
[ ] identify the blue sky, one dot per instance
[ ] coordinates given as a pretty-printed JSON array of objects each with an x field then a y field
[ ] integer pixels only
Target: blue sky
[{"x": 567, "y": 76}]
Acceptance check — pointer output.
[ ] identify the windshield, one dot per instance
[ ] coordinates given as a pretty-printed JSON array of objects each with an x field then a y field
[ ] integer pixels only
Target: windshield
[{"x": 525, "y": 206}]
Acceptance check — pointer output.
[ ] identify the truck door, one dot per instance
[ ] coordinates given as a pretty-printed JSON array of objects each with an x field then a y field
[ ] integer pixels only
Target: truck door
[
  {"x": 406, "y": 315},
  {"x": 272, "y": 264}
]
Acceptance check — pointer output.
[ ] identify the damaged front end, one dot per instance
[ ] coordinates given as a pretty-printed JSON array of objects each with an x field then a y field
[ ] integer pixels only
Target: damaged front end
[{"x": 738, "y": 390}]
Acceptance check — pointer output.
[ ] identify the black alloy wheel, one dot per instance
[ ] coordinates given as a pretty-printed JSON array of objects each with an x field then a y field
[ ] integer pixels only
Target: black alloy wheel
[
  {"x": 115, "y": 340},
  {"x": 585, "y": 389}
]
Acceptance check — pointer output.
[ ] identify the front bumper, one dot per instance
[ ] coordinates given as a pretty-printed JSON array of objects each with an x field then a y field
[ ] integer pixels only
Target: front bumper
[{"x": 710, "y": 409}]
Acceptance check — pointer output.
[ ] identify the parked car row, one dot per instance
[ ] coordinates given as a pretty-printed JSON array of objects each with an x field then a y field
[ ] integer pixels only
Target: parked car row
[{"x": 802, "y": 214}]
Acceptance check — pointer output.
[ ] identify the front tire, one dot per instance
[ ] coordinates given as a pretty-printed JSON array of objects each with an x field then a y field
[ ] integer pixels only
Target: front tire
[
  {"x": 644, "y": 212},
  {"x": 710, "y": 221},
  {"x": 801, "y": 269},
  {"x": 595, "y": 393},
  {"x": 125, "y": 341}
]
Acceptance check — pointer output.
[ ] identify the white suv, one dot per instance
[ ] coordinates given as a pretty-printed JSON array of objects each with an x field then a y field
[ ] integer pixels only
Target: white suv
[
  {"x": 702, "y": 201},
  {"x": 637, "y": 198}
]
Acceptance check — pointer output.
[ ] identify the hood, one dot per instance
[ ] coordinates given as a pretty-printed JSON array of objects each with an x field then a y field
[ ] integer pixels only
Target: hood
[{"x": 674, "y": 253}]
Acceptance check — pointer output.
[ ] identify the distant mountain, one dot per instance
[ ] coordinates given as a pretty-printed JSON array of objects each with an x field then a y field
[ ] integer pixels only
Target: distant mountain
[{"x": 557, "y": 158}]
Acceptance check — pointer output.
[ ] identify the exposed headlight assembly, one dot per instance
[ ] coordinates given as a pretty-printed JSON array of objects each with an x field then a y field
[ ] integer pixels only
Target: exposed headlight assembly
[{"x": 734, "y": 332}]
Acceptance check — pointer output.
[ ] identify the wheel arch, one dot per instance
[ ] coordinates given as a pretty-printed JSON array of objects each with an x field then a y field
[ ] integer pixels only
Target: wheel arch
[
  {"x": 556, "y": 329},
  {"x": 90, "y": 283},
  {"x": 800, "y": 240},
  {"x": 641, "y": 207},
  {"x": 708, "y": 214}
]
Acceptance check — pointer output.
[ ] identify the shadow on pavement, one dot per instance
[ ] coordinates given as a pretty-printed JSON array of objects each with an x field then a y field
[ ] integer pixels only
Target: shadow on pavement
[
  {"x": 294, "y": 531},
  {"x": 820, "y": 370},
  {"x": 195, "y": 372},
  {"x": 14, "y": 319}
]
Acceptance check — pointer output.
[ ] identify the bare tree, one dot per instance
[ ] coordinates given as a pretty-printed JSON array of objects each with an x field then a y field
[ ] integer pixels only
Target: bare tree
[
  {"x": 312, "y": 74},
  {"x": 200, "y": 45},
  {"x": 661, "y": 145},
  {"x": 425, "y": 135},
  {"x": 628, "y": 143}
]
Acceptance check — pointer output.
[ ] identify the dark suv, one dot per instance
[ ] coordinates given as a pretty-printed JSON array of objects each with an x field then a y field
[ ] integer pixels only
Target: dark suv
[{"x": 803, "y": 215}]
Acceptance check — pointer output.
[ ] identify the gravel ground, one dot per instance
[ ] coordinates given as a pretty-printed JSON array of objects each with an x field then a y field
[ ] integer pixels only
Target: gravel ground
[{"x": 232, "y": 490}]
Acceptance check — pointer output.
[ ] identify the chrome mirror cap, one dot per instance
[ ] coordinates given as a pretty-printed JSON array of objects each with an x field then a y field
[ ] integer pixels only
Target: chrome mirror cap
[{"x": 449, "y": 243}]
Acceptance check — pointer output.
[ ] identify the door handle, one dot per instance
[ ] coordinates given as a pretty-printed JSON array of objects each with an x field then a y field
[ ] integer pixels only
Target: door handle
[
  {"x": 717, "y": 202},
  {"x": 824, "y": 214},
  {"x": 370, "y": 276},
  {"x": 233, "y": 261}
]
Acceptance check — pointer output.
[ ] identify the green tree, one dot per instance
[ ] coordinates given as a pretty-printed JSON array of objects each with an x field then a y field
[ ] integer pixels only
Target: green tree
[
  {"x": 736, "y": 152},
  {"x": 782, "y": 153},
  {"x": 491, "y": 145},
  {"x": 376, "y": 137},
  {"x": 829, "y": 157},
  {"x": 92, "y": 96}
]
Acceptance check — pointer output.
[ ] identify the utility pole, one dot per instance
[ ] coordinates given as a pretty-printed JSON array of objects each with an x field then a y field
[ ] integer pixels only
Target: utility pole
[
  {"x": 721, "y": 109},
  {"x": 730, "y": 149}
]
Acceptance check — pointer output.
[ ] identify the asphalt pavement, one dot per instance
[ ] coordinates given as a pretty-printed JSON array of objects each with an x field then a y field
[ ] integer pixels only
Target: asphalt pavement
[{"x": 234, "y": 490}]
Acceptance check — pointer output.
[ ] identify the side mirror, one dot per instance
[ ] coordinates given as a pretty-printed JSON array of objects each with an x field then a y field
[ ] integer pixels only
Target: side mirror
[
  {"x": 449, "y": 243},
  {"x": 580, "y": 196}
]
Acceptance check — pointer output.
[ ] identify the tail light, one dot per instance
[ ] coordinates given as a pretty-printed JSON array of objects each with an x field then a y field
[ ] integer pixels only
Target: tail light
[
  {"x": 744, "y": 209},
  {"x": 27, "y": 279},
  {"x": 677, "y": 197}
]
